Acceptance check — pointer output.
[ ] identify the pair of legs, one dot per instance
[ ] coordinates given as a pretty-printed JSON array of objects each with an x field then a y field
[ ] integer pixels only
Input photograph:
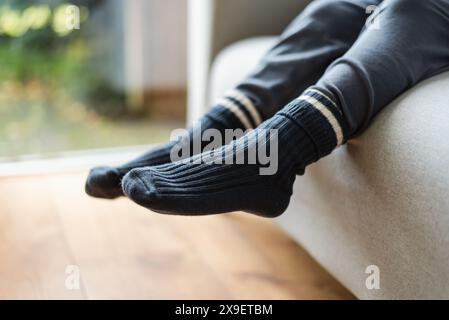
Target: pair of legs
[{"x": 343, "y": 72}]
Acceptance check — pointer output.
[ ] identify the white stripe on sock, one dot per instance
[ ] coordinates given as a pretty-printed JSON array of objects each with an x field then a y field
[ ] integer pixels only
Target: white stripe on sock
[
  {"x": 235, "y": 110},
  {"x": 328, "y": 115},
  {"x": 246, "y": 102},
  {"x": 325, "y": 96}
]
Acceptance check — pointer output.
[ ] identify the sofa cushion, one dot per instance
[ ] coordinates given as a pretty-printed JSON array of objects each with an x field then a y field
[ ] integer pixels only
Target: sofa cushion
[{"x": 381, "y": 200}]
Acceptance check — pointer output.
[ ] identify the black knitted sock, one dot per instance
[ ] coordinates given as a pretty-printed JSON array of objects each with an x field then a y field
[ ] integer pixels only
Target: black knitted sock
[
  {"x": 234, "y": 111},
  {"x": 307, "y": 129}
]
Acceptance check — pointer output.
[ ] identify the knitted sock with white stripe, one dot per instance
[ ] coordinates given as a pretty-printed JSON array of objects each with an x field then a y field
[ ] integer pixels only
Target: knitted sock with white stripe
[
  {"x": 234, "y": 111},
  {"x": 306, "y": 130}
]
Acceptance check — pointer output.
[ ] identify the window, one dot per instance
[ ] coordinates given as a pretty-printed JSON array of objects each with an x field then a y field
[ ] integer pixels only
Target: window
[{"x": 88, "y": 74}]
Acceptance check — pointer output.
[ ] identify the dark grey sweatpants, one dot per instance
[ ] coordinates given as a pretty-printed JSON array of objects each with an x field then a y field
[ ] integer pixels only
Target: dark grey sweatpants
[{"x": 363, "y": 64}]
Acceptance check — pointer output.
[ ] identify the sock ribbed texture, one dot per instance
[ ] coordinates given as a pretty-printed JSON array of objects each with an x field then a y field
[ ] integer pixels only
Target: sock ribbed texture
[
  {"x": 234, "y": 111},
  {"x": 307, "y": 129}
]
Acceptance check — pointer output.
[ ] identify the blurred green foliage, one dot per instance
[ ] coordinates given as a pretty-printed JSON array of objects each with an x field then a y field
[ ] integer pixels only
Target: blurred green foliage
[{"x": 32, "y": 47}]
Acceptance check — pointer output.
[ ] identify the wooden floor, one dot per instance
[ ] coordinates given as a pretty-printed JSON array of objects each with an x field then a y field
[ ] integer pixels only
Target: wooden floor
[{"x": 47, "y": 225}]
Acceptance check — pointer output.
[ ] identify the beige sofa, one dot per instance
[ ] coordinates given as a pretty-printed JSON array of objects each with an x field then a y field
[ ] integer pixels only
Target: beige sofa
[{"x": 383, "y": 199}]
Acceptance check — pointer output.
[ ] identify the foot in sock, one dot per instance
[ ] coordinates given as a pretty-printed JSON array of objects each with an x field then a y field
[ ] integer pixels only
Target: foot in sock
[
  {"x": 307, "y": 129},
  {"x": 234, "y": 111}
]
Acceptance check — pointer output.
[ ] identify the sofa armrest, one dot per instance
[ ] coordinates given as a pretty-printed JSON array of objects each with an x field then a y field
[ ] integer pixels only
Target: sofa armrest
[{"x": 215, "y": 24}]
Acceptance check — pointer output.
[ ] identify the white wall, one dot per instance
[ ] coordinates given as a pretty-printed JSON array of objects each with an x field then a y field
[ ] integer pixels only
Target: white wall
[
  {"x": 164, "y": 45},
  {"x": 147, "y": 41}
]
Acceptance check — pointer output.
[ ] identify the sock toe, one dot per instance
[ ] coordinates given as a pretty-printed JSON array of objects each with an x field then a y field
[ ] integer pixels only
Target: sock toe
[
  {"x": 137, "y": 186},
  {"x": 104, "y": 182}
]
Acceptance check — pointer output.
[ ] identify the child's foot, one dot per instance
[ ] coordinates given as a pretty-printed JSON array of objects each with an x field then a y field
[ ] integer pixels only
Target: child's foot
[
  {"x": 307, "y": 129},
  {"x": 105, "y": 182},
  {"x": 235, "y": 111}
]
